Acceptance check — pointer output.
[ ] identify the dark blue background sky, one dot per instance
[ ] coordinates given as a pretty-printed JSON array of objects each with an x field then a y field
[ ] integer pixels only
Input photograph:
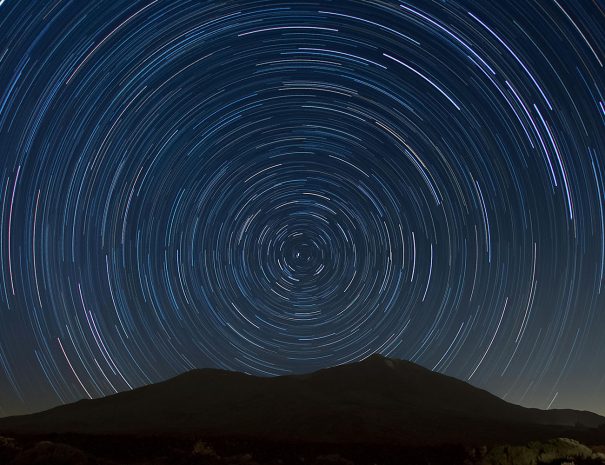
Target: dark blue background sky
[{"x": 275, "y": 187}]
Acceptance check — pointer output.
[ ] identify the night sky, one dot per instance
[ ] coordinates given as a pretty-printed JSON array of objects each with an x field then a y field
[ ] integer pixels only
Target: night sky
[{"x": 275, "y": 187}]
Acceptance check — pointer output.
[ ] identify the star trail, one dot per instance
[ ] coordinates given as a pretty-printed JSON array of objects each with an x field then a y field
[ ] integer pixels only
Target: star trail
[{"x": 276, "y": 187}]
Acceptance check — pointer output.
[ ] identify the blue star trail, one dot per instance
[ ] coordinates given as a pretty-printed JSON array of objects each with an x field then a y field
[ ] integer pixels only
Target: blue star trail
[{"x": 275, "y": 187}]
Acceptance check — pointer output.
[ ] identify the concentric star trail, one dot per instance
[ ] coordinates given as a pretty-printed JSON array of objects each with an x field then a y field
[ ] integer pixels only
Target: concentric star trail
[{"x": 276, "y": 187}]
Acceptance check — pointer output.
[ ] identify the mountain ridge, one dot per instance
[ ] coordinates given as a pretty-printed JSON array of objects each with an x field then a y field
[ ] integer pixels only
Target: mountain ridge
[{"x": 378, "y": 399}]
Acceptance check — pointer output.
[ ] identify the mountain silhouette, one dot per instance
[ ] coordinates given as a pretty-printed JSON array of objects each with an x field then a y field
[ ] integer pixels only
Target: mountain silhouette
[{"x": 376, "y": 400}]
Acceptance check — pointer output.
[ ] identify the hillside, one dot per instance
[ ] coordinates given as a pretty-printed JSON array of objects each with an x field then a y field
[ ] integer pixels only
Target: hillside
[{"x": 376, "y": 400}]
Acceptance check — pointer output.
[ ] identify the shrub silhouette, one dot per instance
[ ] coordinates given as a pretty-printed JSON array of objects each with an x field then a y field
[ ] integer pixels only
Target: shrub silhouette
[
  {"x": 554, "y": 452},
  {"x": 8, "y": 449},
  {"x": 50, "y": 453},
  {"x": 203, "y": 449}
]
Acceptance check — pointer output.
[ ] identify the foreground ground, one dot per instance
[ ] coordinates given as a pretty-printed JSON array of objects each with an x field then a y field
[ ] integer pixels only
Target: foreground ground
[{"x": 117, "y": 450}]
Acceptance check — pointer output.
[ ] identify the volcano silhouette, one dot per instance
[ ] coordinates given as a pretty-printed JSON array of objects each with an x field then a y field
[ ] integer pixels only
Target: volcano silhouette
[{"x": 375, "y": 400}]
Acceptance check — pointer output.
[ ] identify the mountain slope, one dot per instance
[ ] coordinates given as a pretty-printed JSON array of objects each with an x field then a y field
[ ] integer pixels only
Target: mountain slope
[{"x": 376, "y": 400}]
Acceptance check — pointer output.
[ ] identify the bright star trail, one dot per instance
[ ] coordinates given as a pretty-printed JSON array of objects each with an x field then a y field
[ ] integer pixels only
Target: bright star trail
[{"x": 275, "y": 187}]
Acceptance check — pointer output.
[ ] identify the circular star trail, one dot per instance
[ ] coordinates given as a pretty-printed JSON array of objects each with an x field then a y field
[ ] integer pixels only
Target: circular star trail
[{"x": 275, "y": 187}]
